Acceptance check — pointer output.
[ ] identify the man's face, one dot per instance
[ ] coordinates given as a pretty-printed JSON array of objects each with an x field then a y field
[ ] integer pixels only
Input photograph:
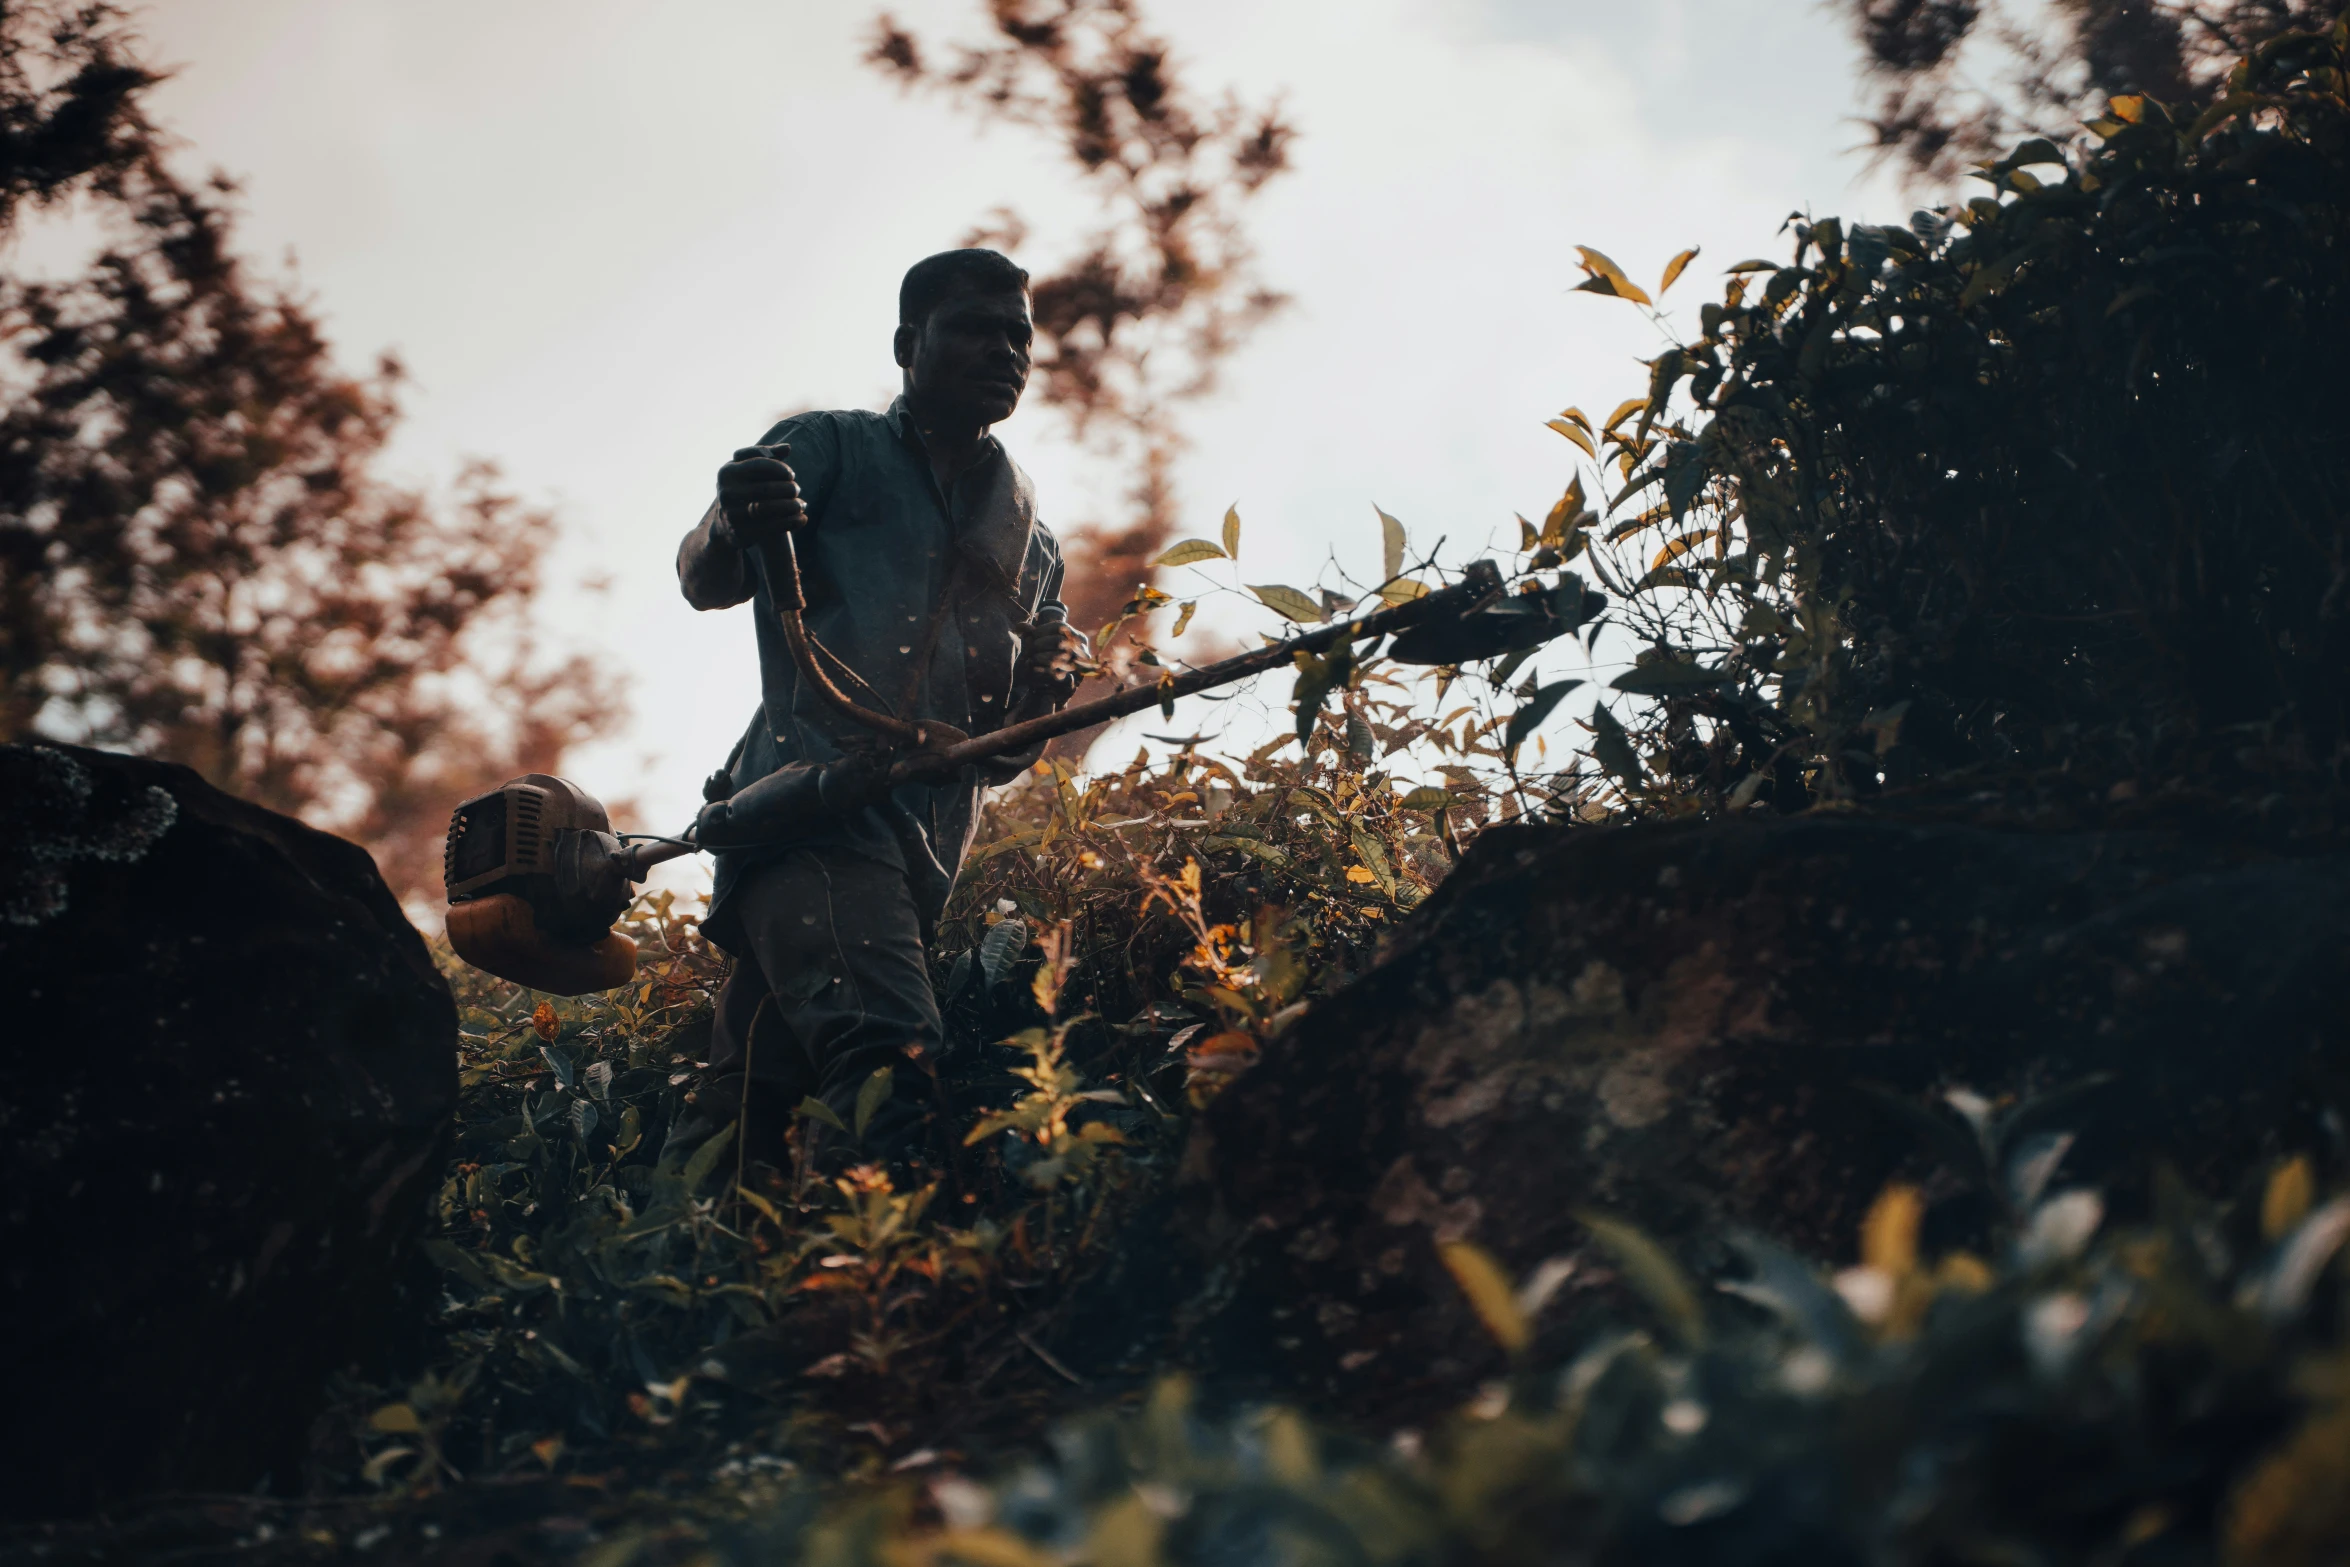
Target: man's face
[{"x": 969, "y": 360}]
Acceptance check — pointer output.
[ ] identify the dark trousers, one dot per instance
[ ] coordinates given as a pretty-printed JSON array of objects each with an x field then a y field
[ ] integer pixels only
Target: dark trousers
[{"x": 830, "y": 982}]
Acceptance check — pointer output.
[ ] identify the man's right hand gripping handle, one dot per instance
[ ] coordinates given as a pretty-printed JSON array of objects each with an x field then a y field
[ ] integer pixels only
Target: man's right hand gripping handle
[
  {"x": 758, "y": 497},
  {"x": 794, "y": 798}
]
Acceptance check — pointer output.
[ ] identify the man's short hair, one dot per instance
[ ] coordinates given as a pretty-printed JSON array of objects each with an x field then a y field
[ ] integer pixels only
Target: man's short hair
[{"x": 933, "y": 280}]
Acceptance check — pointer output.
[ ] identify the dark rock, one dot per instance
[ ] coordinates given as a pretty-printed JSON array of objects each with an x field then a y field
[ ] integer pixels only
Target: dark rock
[
  {"x": 231, "y": 1066},
  {"x": 1706, "y": 1027}
]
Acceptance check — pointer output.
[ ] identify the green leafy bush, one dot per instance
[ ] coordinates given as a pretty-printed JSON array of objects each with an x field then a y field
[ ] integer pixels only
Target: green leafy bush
[
  {"x": 2046, "y": 488},
  {"x": 2177, "y": 1392},
  {"x": 2048, "y": 482}
]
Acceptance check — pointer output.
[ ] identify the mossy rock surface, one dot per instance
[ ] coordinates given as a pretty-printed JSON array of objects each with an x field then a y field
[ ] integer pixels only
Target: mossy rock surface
[
  {"x": 232, "y": 1067},
  {"x": 1726, "y": 1027}
]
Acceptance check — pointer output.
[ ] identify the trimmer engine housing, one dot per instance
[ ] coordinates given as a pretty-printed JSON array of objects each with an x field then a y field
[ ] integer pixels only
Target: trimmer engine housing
[{"x": 536, "y": 878}]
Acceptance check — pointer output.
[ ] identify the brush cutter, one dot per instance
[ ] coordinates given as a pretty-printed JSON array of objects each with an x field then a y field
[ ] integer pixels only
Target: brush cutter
[{"x": 536, "y": 876}]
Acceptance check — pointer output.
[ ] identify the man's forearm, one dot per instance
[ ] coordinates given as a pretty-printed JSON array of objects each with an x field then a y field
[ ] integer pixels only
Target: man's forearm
[{"x": 710, "y": 571}]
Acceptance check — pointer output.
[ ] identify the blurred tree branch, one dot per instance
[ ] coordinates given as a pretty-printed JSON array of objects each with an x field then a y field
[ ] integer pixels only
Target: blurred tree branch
[
  {"x": 1964, "y": 79},
  {"x": 198, "y": 560}
]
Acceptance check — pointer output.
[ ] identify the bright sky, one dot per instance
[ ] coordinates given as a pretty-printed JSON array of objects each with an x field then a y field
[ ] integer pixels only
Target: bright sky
[{"x": 612, "y": 240}]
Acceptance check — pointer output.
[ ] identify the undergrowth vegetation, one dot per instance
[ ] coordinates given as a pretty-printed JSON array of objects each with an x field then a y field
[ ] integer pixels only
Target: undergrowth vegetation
[{"x": 2044, "y": 487}]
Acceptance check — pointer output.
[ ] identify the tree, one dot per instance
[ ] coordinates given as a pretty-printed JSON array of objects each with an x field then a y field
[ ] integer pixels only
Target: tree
[
  {"x": 197, "y": 559},
  {"x": 1965, "y": 78},
  {"x": 1156, "y": 299}
]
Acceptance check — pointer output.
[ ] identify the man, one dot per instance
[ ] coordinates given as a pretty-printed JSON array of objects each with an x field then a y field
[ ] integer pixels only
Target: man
[{"x": 933, "y": 594}]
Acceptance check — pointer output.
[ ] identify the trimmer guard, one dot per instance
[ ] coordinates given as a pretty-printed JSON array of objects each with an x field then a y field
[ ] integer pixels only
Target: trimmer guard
[{"x": 500, "y": 935}]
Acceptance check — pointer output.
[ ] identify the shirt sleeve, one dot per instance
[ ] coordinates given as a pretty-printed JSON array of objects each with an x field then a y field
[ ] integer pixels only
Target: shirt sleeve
[{"x": 710, "y": 574}]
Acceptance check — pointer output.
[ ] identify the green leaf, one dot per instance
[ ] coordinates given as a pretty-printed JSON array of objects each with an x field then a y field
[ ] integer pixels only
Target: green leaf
[
  {"x": 1613, "y": 749},
  {"x": 1288, "y": 602},
  {"x": 1666, "y": 677},
  {"x": 1754, "y": 266},
  {"x": 1317, "y": 677},
  {"x": 1607, "y": 278},
  {"x": 1538, "y": 707},
  {"x": 1189, "y": 552},
  {"x": 1232, "y": 530},
  {"x": 872, "y": 1094},
  {"x": 583, "y": 1118},
  {"x": 1425, "y": 798},
  {"x": 706, "y": 1157},
  {"x": 1373, "y": 854},
  {"x": 1652, "y": 1274},
  {"x": 815, "y": 1109},
  {"x": 1391, "y": 547},
  {"x": 1001, "y": 947},
  {"x": 1684, "y": 476},
  {"x": 1489, "y": 1293},
  {"x": 559, "y": 1061}
]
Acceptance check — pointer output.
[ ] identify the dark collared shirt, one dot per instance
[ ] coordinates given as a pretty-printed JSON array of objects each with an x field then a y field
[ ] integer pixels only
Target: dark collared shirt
[{"x": 884, "y": 549}]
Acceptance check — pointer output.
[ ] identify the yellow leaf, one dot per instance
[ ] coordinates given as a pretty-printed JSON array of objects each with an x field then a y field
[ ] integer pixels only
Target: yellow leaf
[
  {"x": 397, "y": 1419},
  {"x": 1490, "y": 1293},
  {"x": 2130, "y": 108},
  {"x": 547, "y": 1449},
  {"x": 1527, "y": 537},
  {"x": 1645, "y": 1265},
  {"x": 542, "y": 1018},
  {"x": 1965, "y": 1272},
  {"x": 1608, "y": 278},
  {"x": 1232, "y": 531},
  {"x": 1390, "y": 546},
  {"x": 1675, "y": 267},
  {"x": 1624, "y": 410},
  {"x": 1189, "y": 552},
  {"x": 1360, "y": 875},
  {"x": 1577, "y": 436},
  {"x": 1288, "y": 602},
  {"x": 1403, "y": 590},
  {"x": 1183, "y": 618},
  {"x": 1566, "y": 515},
  {"x": 2286, "y": 1201},
  {"x": 1680, "y": 547},
  {"x": 760, "y": 1203},
  {"x": 1889, "y": 1235},
  {"x": 980, "y": 1548},
  {"x": 1575, "y": 416}
]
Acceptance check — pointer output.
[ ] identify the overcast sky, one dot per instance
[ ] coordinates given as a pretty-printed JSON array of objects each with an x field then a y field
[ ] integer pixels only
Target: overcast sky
[{"x": 612, "y": 240}]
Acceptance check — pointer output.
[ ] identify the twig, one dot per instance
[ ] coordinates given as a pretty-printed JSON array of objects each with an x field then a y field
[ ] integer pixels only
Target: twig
[{"x": 1045, "y": 1355}]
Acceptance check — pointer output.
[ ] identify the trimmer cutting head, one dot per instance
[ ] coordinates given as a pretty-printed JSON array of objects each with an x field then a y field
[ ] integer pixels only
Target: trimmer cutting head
[
  {"x": 1511, "y": 623},
  {"x": 535, "y": 879}
]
